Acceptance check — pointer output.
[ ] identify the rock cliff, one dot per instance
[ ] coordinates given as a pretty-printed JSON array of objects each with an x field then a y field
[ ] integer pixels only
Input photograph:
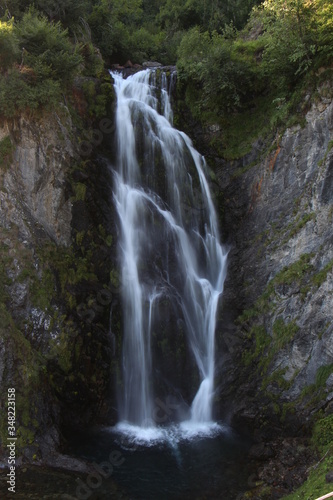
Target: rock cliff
[
  {"x": 276, "y": 321},
  {"x": 59, "y": 281},
  {"x": 35, "y": 210},
  {"x": 54, "y": 262}
]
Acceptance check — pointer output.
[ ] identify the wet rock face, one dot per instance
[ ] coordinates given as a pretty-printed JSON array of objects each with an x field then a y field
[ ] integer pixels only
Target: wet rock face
[
  {"x": 38, "y": 172},
  {"x": 278, "y": 222},
  {"x": 35, "y": 210}
]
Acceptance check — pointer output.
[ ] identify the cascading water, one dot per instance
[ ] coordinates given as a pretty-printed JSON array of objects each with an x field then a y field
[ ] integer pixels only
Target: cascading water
[{"x": 169, "y": 243}]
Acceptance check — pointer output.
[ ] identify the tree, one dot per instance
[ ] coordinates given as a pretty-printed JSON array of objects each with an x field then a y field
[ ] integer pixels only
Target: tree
[
  {"x": 47, "y": 47},
  {"x": 215, "y": 79},
  {"x": 9, "y": 49},
  {"x": 296, "y": 32}
]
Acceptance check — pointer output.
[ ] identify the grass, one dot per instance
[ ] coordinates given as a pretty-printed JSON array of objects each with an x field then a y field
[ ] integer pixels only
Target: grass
[
  {"x": 319, "y": 278},
  {"x": 316, "y": 485},
  {"x": 264, "y": 118},
  {"x": 241, "y": 130},
  {"x": 283, "y": 333}
]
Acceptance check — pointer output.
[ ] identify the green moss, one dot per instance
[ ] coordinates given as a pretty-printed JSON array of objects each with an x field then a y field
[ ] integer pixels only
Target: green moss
[
  {"x": 261, "y": 342},
  {"x": 61, "y": 349},
  {"x": 114, "y": 278},
  {"x": 319, "y": 278},
  {"x": 315, "y": 392},
  {"x": 301, "y": 223},
  {"x": 264, "y": 347},
  {"x": 295, "y": 272},
  {"x": 106, "y": 238},
  {"x": 80, "y": 191},
  {"x": 6, "y": 151},
  {"x": 283, "y": 333},
  {"x": 79, "y": 237},
  {"x": 26, "y": 381},
  {"x": 246, "y": 315},
  {"x": 242, "y": 130},
  {"x": 323, "y": 160},
  {"x": 323, "y": 432}
]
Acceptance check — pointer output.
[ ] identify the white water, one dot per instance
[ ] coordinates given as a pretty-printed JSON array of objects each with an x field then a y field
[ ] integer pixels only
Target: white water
[{"x": 169, "y": 247}]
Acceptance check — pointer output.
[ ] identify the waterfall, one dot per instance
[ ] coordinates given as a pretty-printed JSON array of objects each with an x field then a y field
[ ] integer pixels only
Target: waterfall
[{"x": 169, "y": 242}]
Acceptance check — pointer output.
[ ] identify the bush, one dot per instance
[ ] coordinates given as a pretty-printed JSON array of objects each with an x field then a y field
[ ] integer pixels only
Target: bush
[
  {"x": 47, "y": 44},
  {"x": 297, "y": 33},
  {"x": 48, "y": 62},
  {"x": 145, "y": 45},
  {"x": 9, "y": 50},
  {"x": 17, "y": 94},
  {"x": 207, "y": 63}
]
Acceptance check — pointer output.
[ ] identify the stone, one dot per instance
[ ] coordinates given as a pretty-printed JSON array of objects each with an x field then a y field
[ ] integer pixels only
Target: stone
[
  {"x": 261, "y": 451},
  {"x": 41, "y": 159},
  {"x": 329, "y": 477},
  {"x": 151, "y": 64}
]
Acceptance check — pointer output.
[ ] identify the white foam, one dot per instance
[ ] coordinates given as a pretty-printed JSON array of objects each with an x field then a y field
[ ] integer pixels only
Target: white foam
[
  {"x": 134, "y": 436},
  {"x": 191, "y": 430}
]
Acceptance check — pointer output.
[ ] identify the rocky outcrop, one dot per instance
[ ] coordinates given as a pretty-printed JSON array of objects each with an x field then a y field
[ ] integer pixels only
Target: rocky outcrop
[
  {"x": 277, "y": 316},
  {"x": 41, "y": 158},
  {"x": 35, "y": 211},
  {"x": 56, "y": 250}
]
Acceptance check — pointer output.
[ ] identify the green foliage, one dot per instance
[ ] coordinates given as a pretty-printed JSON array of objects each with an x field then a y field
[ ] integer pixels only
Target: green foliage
[
  {"x": 6, "y": 149},
  {"x": 9, "y": 50},
  {"x": 290, "y": 41},
  {"x": 17, "y": 93},
  {"x": 322, "y": 440},
  {"x": 49, "y": 61},
  {"x": 295, "y": 272},
  {"x": 145, "y": 44},
  {"x": 323, "y": 432},
  {"x": 98, "y": 96},
  {"x": 47, "y": 47},
  {"x": 283, "y": 333},
  {"x": 251, "y": 82},
  {"x": 210, "y": 15},
  {"x": 66, "y": 11},
  {"x": 206, "y": 63},
  {"x": 93, "y": 62},
  {"x": 112, "y": 24},
  {"x": 261, "y": 343},
  {"x": 319, "y": 278}
]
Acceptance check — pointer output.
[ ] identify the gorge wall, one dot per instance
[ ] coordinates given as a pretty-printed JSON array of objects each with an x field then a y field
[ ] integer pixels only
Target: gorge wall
[
  {"x": 276, "y": 319},
  {"x": 56, "y": 253},
  {"x": 59, "y": 279},
  {"x": 35, "y": 210}
]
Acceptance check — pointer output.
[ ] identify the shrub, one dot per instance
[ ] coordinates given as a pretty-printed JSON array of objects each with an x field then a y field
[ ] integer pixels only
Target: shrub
[
  {"x": 207, "y": 62},
  {"x": 9, "y": 50},
  {"x": 16, "y": 94},
  {"x": 47, "y": 45}
]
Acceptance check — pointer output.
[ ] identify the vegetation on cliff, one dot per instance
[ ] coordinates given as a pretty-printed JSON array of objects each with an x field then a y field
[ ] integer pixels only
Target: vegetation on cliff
[
  {"x": 236, "y": 60},
  {"x": 245, "y": 67}
]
